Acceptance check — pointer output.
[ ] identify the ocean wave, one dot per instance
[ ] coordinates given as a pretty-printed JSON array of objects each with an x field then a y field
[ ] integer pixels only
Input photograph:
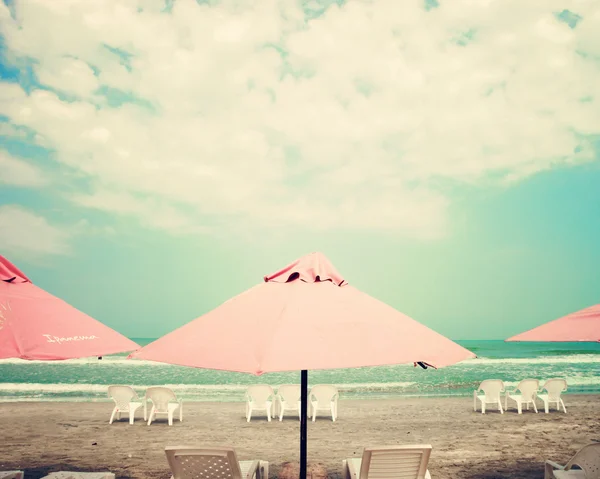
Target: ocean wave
[
  {"x": 572, "y": 359},
  {"x": 123, "y": 361},
  {"x": 103, "y": 388},
  {"x": 105, "y": 361}
]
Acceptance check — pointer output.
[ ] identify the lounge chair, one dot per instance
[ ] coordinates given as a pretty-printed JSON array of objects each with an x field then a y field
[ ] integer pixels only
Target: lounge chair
[
  {"x": 11, "y": 475},
  {"x": 528, "y": 389},
  {"x": 79, "y": 475},
  {"x": 288, "y": 398},
  {"x": 587, "y": 458},
  {"x": 124, "y": 396},
  {"x": 188, "y": 462},
  {"x": 492, "y": 388},
  {"x": 259, "y": 397},
  {"x": 389, "y": 462},
  {"x": 554, "y": 387},
  {"x": 323, "y": 397},
  {"x": 164, "y": 402}
]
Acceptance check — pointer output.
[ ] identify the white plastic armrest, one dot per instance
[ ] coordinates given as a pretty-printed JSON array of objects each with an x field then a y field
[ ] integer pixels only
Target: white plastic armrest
[
  {"x": 550, "y": 467},
  {"x": 254, "y": 470},
  {"x": 555, "y": 465},
  {"x": 352, "y": 472}
]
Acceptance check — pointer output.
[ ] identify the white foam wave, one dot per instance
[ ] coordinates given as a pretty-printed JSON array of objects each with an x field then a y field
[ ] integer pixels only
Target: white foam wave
[
  {"x": 123, "y": 361},
  {"x": 105, "y": 361},
  {"x": 102, "y": 388},
  {"x": 571, "y": 359}
]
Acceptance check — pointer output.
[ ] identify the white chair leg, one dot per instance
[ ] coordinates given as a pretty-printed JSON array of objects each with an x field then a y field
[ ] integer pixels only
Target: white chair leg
[
  {"x": 482, "y": 407},
  {"x": 170, "y": 417},
  {"x": 500, "y": 406},
  {"x": 112, "y": 416},
  {"x": 131, "y": 415},
  {"x": 314, "y": 414},
  {"x": 546, "y": 406},
  {"x": 281, "y": 409},
  {"x": 520, "y": 407},
  {"x": 151, "y": 416},
  {"x": 563, "y": 405},
  {"x": 249, "y": 416},
  {"x": 269, "y": 413},
  {"x": 181, "y": 412},
  {"x": 534, "y": 407}
]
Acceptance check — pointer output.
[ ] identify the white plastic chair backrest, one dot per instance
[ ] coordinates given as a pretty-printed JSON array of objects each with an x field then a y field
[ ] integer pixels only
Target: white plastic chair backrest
[
  {"x": 323, "y": 393},
  {"x": 492, "y": 389},
  {"x": 122, "y": 395},
  {"x": 554, "y": 388},
  {"x": 259, "y": 393},
  {"x": 406, "y": 462},
  {"x": 203, "y": 462},
  {"x": 290, "y": 393},
  {"x": 160, "y": 397},
  {"x": 588, "y": 459},
  {"x": 529, "y": 388}
]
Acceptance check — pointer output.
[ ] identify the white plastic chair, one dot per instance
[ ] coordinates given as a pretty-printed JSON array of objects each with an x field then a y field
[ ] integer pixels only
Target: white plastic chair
[
  {"x": 492, "y": 388},
  {"x": 79, "y": 475},
  {"x": 528, "y": 389},
  {"x": 165, "y": 402},
  {"x": 11, "y": 475},
  {"x": 389, "y": 462},
  {"x": 288, "y": 397},
  {"x": 323, "y": 397},
  {"x": 259, "y": 397},
  {"x": 212, "y": 462},
  {"x": 587, "y": 458},
  {"x": 554, "y": 388},
  {"x": 123, "y": 397}
]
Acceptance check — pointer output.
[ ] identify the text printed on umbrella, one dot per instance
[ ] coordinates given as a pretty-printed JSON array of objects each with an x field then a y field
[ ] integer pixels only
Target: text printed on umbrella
[{"x": 56, "y": 339}]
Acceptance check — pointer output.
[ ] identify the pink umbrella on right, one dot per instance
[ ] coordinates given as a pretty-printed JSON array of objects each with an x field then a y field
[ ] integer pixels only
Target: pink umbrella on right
[{"x": 581, "y": 326}]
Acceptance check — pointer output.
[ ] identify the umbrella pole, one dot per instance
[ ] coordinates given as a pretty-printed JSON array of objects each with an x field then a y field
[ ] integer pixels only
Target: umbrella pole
[{"x": 303, "y": 424}]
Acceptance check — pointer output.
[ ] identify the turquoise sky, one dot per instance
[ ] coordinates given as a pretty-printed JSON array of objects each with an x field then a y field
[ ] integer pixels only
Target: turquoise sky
[{"x": 454, "y": 175}]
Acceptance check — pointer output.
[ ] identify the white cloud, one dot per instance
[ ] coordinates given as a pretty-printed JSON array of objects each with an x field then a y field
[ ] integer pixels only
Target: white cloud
[
  {"x": 26, "y": 234},
  {"x": 11, "y": 131},
  {"x": 17, "y": 172},
  {"x": 373, "y": 106}
]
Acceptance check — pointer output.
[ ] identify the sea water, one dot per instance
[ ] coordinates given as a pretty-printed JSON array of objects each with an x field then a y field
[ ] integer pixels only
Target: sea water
[{"x": 87, "y": 379}]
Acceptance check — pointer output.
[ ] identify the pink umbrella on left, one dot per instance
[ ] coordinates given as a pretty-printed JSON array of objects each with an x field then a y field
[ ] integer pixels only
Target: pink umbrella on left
[{"x": 37, "y": 325}]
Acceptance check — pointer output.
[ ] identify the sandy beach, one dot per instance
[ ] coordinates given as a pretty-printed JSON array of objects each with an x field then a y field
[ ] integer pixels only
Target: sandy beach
[{"x": 41, "y": 437}]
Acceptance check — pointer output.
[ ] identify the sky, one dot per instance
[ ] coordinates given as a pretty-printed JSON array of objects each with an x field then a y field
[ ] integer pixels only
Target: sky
[{"x": 157, "y": 158}]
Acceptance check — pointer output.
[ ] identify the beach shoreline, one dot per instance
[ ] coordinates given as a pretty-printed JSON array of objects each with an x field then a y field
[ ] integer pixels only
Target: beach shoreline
[{"x": 40, "y": 437}]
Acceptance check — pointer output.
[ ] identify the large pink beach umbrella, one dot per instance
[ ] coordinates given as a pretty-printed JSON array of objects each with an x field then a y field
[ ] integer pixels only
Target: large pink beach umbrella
[
  {"x": 581, "y": 326},
  {"x": 305, "y": 316},
  {"x": 36, "y": 325}
]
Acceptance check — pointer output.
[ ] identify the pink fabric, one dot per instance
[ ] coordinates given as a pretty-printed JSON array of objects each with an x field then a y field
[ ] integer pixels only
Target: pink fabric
[
  {"x": 582, "y": 325},
  {"x": 303, "y": 323},
  {"x": 10, "y": 273},
  {"x": 36, "y": 325},
  {"x": 311, "y": 268}
]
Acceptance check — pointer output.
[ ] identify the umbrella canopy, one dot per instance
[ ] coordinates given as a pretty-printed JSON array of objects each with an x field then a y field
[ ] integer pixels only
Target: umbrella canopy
[
  {"x": 36, "y": 325},
  {"x": 582, "y": 325},
  {"x": 305, "y": 316}
]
